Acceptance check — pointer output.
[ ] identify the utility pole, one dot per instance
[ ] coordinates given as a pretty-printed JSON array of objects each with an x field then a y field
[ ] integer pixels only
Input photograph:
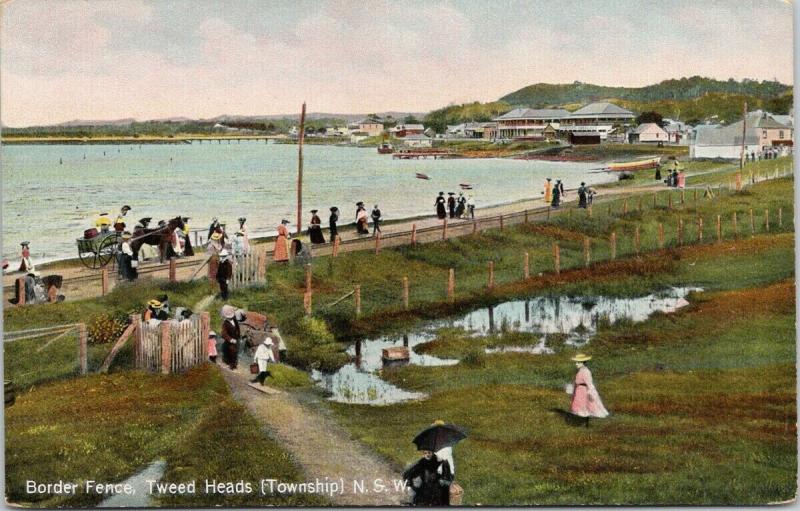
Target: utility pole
[
  {"x": 744, "y": 137},
  {"x": 300, "y": 169}
]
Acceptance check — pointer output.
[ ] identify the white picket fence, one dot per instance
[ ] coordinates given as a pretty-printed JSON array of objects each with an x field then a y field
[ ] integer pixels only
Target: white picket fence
[
  {"x": 172, "y": 346},
  {"x": 247, "y": 270}
]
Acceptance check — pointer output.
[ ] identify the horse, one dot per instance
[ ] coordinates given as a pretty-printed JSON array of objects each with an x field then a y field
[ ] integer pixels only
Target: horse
[{"x": 160, "y": 237}]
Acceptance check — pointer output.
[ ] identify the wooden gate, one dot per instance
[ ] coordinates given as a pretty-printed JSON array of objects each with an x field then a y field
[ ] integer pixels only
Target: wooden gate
[
  {"x": 172, "y": 346},
  {"x": 248, "y": 270}
]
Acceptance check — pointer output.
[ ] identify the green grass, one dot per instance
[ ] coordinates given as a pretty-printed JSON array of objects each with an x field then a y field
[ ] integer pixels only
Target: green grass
[{"x": 107, "y": 427}]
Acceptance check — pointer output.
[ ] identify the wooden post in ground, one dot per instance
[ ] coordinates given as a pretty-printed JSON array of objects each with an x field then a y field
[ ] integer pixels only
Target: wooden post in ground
[
  {"x": 357, "y": 298},
  {"x": 752, "y": 224},
  {"x": 205, "y": 328},
  {"x": 766, "y": 220},
  {"x": 451, "y": 285},
  {"x": 20, "y": 290},
  {"x": 640, "y": 205},
  {"x": 490, "y": 284},
  {"x": 625, "y": 207},
  {"x": 83, "y": 348},
  {"x": 166, "y": 348},
  {"x": 526, "y": 216},
  {"x": 444, "y": 229},
  {"x": 738, "y": 181},
  {"x": 669, "y": 200},
  {"x": 501, "y": 222},
  {"x": 378, "y": 243},
  {"x": 636, "y": 241},
  {"x": 262, "y": 267},
  {"x": 589, "y": 211},
  {"x": 413, "y": 235},
  {"x": 405, "y": 293},
  {"x": 526, "y": 268},
  {"x": 613, "y": 245},
  {"x": 660, "y": 235},
  {"x": 307, "y": 302},
  {"x": 735, "y": 227},
  {"x": 556, "y": 258},
  {"x": 336, "y": 243},
  {"x": 587, "y": 255},
  {"x": 104, "y": 281},
  {"x": 695, "y": 198},
  {"x": 173, "y": 269},
  {"x": 780, "y": 217},
  {"x": 474, "y": 226},
  {"x": 700, "y": 229},
  {"x": 683, "y": 198},
  {"x": 308, "y": 278},
  {"x": 548, "y": 211},
  {"x": 680, "y": 231}
]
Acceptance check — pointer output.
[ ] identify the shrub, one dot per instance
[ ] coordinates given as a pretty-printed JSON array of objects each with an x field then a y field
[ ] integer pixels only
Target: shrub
[
  {"x": 104, "y": 328},
  {"x": 313, "y": 346}
]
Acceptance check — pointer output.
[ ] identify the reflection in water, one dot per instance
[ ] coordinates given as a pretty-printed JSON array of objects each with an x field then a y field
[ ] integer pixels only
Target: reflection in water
[{"x": 576, "y": 318}]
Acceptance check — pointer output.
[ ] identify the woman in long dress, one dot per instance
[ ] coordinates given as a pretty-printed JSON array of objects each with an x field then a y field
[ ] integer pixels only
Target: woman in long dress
[
  {"x": 281, "y": 252},
  {"x": 214, "y": 248},
  {"x": 315, "y": 228},
  {"x": 585, "y": 399},
  {"x": 435, "y": 477},
  {"x": 361, "y": 219},
  {"x": 334, "y": 218},
  {"x": 245, "y": 235},
  {"x": 441, "y": 211}
]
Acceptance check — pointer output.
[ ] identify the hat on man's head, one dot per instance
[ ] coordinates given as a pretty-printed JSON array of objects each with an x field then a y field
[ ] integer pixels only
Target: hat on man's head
[
  {"x": 359, "y": 203},
  {"x": 154, "y": 304},
  {"x": 284, "y": 221},
  {"x": 242, "y": 219},
  {"x": 228, "y": 311},
  {"x": 314, "y": 211},
  {"x": 25, "y": 243},
  {"x": 216, "y": 236},
  {"x": 126, "y": 208}
]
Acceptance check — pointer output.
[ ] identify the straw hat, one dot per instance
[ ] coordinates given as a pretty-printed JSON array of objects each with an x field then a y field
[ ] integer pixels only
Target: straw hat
[
  {"x": 268, "y": 341},
  {"x": 216, "y": 236},
  {"x": 580, "y": 357},
  {"x": 154, "y": 304},
  {"x": 211, "y": 334},
  {"x": 126, "y": 235},
  {"x": 228, "y": 311}
]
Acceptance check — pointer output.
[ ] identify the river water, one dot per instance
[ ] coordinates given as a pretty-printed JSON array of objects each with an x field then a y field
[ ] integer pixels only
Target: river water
[{"x": 50, "y": 203}]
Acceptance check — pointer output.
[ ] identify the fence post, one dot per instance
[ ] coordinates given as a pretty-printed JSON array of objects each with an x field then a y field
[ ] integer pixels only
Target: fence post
[
  {"x": 752, "y": 224},
  {"x": 738, "y": 181},
  {"x": 683, "y": 198},
  {"x": 336, "y": 241},
  {"x": 587, "y": 254},
  {"x": 700, "y": 229},
  {"x": 680, "y": 231},
  {"x": 357, "y": 298},
  {"x": 413, "y": 235},
  {"x": 625, "y": 207},
  {"x": 735, "y": 227},
  {"x": 20, "y": 290},
  {"x": 660, "y": 235},
  {"x": 307, "y": 302},
  {"x": 613, "y": 245},
  {"x": 766, "y": 219},
  {"x": 451, "y": 285},
  {"x": 444, "y": 229},
  {"x": 636, "y": 240},
  {"x": 378, "y": 243},
  {"x": 195, "y": 238},
  {"x": 780, "y": 217},
  {"x": 669, "y": 200},
  {"x": 405, "y": 293},
  {"x": 262, "y": 267},
  {"x": 556, "y": 258},
  {"x": 83, "y": 348},
  {"x": 308, "y": 278},
  {"x": 474, "y": 226},
  {"x": 104, "y": 280},
  {"x": 526, "y": 268},
  {"x": 166, "y": 348},
  {"x": 526, "y": 216},
  {"x": 501, "y": 222},
  {"x": 205, "y": 328},
  {"x": 719, "y": 229},
  {"x": 173, "y": 269},
  {"x": 549, "y": 207},
  {"x": 491, "y": 276}
]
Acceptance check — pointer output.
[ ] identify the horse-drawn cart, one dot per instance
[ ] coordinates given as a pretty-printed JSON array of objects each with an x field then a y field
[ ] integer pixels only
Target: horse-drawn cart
[{"x": 99, "y": 250}]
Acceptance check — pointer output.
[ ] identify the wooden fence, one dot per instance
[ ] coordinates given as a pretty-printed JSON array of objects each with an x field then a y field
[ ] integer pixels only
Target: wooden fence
[
  {"x": 248, "y": 270},
  {"x": 171, "y": 346}
]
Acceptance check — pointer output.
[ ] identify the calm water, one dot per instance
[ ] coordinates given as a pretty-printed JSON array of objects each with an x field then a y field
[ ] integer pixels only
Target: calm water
[
  {"x": 577, "y": 318},
  {"x": 50, "y": 204}
]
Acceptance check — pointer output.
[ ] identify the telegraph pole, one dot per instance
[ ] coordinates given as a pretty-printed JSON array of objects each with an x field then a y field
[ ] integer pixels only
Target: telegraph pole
[{"x": 300, "y": 169}]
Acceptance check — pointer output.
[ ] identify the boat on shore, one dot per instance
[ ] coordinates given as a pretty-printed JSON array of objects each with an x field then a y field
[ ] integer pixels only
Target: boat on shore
[
  {"x": 385, "y": 148},
  {"x": 649, "y": 163}
]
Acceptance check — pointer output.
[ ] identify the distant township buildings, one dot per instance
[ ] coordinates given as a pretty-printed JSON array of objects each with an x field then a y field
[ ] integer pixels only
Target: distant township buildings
[
  {"x": 591, "y": 123},
  {"x": 762, "y": 132}
]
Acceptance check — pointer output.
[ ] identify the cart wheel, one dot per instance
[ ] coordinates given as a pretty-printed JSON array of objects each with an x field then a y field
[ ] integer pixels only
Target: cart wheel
[
  {"x": 87, "y": 258},
  {"x": 105, "y": 252}
]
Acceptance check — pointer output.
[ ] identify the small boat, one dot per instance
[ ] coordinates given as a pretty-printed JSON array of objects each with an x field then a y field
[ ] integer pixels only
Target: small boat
[
  {"x": 465, "y": 186},
  {"x": 649, "y": 163},
  {"x": 385, "y": 148},
  {"x": 395, "y": 354},
  {"x": 420, "y": 175}
]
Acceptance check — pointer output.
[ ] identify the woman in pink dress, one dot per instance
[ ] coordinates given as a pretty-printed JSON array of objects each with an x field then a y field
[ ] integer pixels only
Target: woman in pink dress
[
  {"x": 585, "y": 399},
  {"x": 281, "y": 253}
]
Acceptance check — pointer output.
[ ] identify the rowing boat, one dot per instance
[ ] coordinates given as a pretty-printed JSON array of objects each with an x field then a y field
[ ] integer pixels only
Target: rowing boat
[{"x": 649, "y": 163}]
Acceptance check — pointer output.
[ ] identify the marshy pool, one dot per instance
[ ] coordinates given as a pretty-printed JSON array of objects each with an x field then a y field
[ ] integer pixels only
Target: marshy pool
[{"x": 574, "y": 319}]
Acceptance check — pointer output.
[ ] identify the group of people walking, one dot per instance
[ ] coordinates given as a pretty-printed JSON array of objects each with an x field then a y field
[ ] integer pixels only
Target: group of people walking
[
  {"x": 554, "y": 193},
  {"x": 457, "y": 207},
  {"x": 676, "y": 178}
]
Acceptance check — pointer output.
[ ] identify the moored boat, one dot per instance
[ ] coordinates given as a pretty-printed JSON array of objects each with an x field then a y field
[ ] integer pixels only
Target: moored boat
[
  {"x": 385, "y": 148},
  {"x": 649, "y": 163}
]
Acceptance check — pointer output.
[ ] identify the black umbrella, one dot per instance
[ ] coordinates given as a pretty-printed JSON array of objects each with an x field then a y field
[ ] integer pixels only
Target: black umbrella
[{"x": 438, "y": 436}]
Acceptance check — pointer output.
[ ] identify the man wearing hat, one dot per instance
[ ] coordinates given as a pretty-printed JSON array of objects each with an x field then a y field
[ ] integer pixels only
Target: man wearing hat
[
  {"x": 25, "y": 264},
  {"x": 585, "y": 399},
  {"x": 361, "y": 218},
  {"x": 263, "y": 357},
  {"x": 231, "y": 335},
  {"x": 127, "y": 259},
  {"x": 441, "y": 211},
  {"x": 315, "y": 228},
  {"x": 280, "y": 253},
  {"x": 376, "y": 220},
  {"x": 103, "y": 222},
  {"x": 224, "y": 272},
  {"x": 119, "y": 223},
  {"x": 451, "y": 204},
  {"x": 334, "y": 231}
]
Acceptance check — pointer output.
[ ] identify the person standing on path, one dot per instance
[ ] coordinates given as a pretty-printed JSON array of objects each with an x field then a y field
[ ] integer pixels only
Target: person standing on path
[
  {"x": 561, "y": 190},
  {"x": 280, "y": 253},
  {"x": 658, "y": 172},
  {"x": 224, "y": 272},
  {"x": 582, "y": 192},
  {"x": 361, "y": 218},
  {"x": 585, "y": 399},
  {"x": 451, "y": 204},
  {"x": 471, "y": 206},
  {"x": 441, "y": 212},
  {"x": 334, "y": 231},
  {"x": 212, "y": 347},
  {"x": 548, "y": 191},
  {"x": 127, "y": 259},
  {"x": 263, "y": 357},
  {"x": 213, "y": 249},
  {"x": 376, "y": 220},
  {"x": 461, "y": 205},
  {"x": 231, "y": 335},
  {"x": 315, "y": 228},
  {"x": 556, "y": 195}
]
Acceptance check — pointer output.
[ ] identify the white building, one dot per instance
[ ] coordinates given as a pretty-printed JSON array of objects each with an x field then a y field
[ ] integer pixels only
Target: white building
[
  {"x": 762, "y": 132},
  {"x": 358, "y": 136},
  {"x": 648, "y": 132},
  {"x": 417, "y": 141}
]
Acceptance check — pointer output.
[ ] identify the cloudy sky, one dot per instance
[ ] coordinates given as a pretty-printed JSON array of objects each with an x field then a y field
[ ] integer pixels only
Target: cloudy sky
[{"x": 68, "y": 59}]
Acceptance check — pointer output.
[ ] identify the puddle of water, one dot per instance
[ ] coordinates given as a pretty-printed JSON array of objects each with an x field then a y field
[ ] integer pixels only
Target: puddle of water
[
  {"x": 576, "y": 318},
  {"x": 141, "y": 496}
]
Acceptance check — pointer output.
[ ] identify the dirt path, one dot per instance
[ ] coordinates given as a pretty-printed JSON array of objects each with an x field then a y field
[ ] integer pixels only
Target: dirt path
[{"x": 322, "y": 448}]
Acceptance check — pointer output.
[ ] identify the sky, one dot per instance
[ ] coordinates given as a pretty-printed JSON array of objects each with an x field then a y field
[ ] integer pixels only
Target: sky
[{"x": 95, "y": 59}]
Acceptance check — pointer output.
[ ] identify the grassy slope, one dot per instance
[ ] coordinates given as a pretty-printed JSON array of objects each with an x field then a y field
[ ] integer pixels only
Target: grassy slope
[{"x": 106, "y": 427}]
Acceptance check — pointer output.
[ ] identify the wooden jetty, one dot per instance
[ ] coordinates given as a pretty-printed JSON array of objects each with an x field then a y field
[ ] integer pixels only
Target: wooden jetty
[{"x": 436, "y": 154}]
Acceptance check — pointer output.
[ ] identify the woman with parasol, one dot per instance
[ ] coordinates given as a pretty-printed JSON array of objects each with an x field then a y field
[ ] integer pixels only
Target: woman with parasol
[{"x": 434, "y": 470}]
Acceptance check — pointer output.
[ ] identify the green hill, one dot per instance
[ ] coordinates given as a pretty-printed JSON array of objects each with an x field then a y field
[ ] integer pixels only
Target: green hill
[{"x": 542, "y": 95}]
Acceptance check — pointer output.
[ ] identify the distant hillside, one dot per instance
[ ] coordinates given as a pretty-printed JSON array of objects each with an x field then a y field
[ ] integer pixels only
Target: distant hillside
[{"x": 542, "y": 95}]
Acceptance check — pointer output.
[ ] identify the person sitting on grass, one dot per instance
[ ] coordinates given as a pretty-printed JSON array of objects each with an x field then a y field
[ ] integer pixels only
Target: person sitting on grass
[{"x": 263, "y": 357}]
